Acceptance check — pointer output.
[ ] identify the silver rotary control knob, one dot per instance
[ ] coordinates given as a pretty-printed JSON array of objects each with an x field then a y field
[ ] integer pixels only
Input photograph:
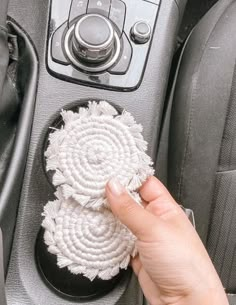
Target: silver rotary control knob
[
  {"x": 141, "y": 32},
  {"x": 93, "y": 39}
]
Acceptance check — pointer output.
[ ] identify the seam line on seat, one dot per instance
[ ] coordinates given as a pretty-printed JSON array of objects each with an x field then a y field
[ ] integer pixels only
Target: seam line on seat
[{"x": 192, "y": 109}]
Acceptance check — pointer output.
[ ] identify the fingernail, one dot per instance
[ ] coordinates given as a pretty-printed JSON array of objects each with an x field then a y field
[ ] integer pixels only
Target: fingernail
[{"x": 115, "y": 187}]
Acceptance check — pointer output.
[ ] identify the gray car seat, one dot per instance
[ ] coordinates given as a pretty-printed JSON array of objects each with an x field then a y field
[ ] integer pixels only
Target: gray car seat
[{"x": 202, "y": 138}]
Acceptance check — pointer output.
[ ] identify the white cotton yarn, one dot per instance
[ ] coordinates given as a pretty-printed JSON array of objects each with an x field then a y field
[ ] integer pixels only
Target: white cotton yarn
[
  {"x": 95, "y": 145},
  {"x": 92, "y": 146},
  {"x": 89, "y": 242}
]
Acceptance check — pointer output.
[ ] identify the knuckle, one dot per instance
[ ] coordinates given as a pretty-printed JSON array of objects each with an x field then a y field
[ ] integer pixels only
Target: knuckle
[{"x": 128, "y": 206}]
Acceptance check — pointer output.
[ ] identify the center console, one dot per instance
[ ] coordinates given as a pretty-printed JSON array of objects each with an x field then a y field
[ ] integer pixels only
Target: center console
[
  {"x": 103, "y": 43},
  {"x": 114, "y": 50}
]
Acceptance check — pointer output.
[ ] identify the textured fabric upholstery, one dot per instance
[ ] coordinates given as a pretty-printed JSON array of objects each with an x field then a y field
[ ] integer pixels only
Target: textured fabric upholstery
[{"x": 202, "y": 147}]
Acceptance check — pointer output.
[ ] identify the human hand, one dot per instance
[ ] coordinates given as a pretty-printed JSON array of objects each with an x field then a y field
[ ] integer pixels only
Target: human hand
[{"x": 173, "y": 267}]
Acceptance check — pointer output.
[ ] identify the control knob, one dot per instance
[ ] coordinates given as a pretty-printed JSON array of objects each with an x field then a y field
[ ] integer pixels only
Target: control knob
[
  {"x": 93, "y": 39},
  {"x": 141, "y": 32}
]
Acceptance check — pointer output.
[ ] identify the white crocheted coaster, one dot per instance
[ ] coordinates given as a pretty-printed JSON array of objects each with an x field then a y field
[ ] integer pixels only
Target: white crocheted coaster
[
  {"x": 93, "y": 146},
  {"x": 89, "y": 242}
]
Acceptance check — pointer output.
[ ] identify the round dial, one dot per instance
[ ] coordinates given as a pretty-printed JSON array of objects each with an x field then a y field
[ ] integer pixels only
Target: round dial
[
  {"x": 93, "y": 38},
  {"x": 141, "y": 32}
]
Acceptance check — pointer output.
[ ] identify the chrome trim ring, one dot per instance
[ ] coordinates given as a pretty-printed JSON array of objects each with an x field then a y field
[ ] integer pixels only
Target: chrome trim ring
[{"x": 84, "y": 67}]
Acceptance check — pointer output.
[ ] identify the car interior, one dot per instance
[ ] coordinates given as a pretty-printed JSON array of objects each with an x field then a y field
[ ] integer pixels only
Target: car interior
[{"x": 172, "y": 65}]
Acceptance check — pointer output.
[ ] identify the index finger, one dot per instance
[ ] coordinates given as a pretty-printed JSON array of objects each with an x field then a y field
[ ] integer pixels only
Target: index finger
[{"x": 153, "y": 189}]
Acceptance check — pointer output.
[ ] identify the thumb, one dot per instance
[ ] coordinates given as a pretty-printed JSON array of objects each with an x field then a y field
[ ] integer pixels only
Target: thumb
[{"x": 140, "y": 222}]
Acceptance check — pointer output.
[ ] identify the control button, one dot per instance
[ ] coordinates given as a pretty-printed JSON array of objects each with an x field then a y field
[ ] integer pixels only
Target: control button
[
  {"x": 78, "y": 8},
  {"x": 93, "y": 38},
  {"x": 117, "y": 14},
  {"x": 56, "y": 45},
  {"x": 141, "y": 32},
  {"x": 99, "y": 6},
  {"x": 122, "y": 66},
  {"x": 60, "y": 10}
]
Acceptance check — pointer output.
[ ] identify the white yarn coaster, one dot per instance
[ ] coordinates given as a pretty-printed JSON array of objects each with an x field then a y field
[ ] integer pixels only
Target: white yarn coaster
[
  {"x": 89, "y": 242},
  {"x": 93, "y": 146}
]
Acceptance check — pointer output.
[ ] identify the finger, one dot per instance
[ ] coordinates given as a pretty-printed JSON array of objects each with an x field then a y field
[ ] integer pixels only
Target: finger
[
  {"x": 136, "y": 265},
  {"x": 153, "y": 189},
  {"x": 144, "y": 203},
  {"x": 166, "y": 211},
  {"x": 137, "y": 219},
  {"x": 161, "y": 203},
  {"x": 150, "y": 289}
]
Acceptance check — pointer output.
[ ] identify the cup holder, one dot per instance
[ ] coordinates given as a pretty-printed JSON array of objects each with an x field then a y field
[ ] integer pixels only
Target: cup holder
[
  {"x": 61, "y": 280},
  {"x": 66, "y": 284}
]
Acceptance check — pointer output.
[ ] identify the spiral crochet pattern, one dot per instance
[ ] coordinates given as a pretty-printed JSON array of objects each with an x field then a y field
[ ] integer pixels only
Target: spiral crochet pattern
[
  {"x": 93, "y": 146},
  {"x": 89, "y": 242}
]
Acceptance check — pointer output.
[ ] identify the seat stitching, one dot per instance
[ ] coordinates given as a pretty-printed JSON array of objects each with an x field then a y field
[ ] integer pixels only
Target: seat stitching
[
  {"x": 229, "y": 231},
  {"x": 231, "y": 267},
  {"x": 189, "y": 128},
  {"x": 228, "y": 116}
]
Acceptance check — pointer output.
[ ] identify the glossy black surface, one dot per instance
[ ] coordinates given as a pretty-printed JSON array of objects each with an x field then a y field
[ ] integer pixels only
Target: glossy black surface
[
  {"x": 117, "y": 14},
  {"x": 122, "y": 66},
  {"x": 57, "y": 47},
  {"x": 66, "y": 284},
  {"x": 78, "y": 8},
  {"x": 127, "y": 73},
  {"x": 99, "y": 6},
  {"x": 59, "y": 13}
]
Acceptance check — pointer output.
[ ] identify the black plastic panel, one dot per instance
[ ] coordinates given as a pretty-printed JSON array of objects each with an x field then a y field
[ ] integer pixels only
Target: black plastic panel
[{"x": 126, "y": 73}]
